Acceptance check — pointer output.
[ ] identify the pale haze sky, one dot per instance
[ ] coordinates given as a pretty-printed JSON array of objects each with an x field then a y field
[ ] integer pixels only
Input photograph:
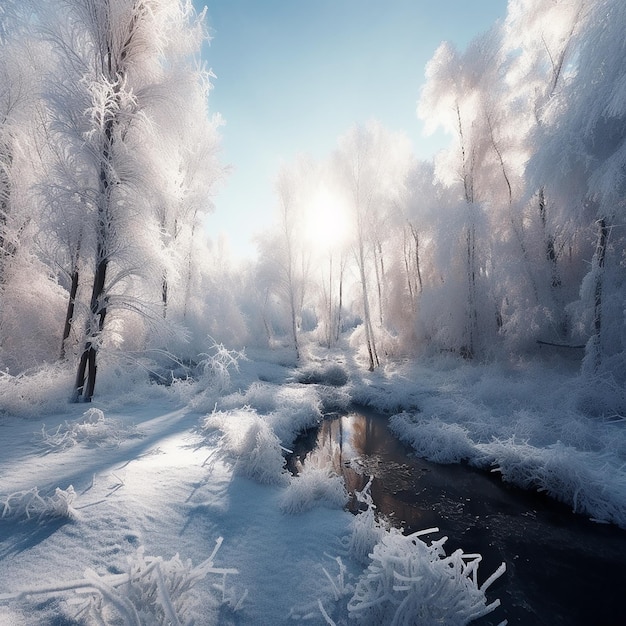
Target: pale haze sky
[{"x": 294, "y": 75}]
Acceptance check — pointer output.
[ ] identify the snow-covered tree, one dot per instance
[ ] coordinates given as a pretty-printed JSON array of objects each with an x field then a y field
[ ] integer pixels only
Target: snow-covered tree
[
  {"x": 122, "y": 73},
  {"x": 583, "y": 157},
  {"x": 371, "y": 164},
  {"x": 454, "y": 97}
]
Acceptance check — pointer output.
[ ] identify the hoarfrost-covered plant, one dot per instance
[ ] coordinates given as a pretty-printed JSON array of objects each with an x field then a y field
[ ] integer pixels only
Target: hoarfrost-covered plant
[
  {"x": 214, "y": 374},
  {"x": 92, "y": 429},
  {"x": 217, "y": 365},
  {"x": 153, "y": 592},
  {"x": 30, "y": 504},
  {"x": 367, "y": 529},
  {"x": 411, "y": 582},
  {"x": 250, "y": 439},
  {"x": 316, "y": 484}
]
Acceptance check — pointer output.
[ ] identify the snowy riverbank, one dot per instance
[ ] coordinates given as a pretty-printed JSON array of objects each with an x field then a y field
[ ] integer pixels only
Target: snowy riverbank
[{"x": 155, "y": 472}]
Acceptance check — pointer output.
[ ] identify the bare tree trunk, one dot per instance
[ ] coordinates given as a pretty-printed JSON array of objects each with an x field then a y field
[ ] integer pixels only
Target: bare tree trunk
[
  {"x": 472, "y": 321},
  {"x": 367, "y": 319},
  {"x": 340, "y": 303},
  {"x": 86, "y": 376},
  {"x": 467, "y": 169},
  {"x": 599, "y": 258},
  {"x": 417, "y": 257},
  {"x": 407, "y": 267},
  {"x": 8, "y": 248},
  {"x": 551, "y": 255},
  {"x": 380, "y": 270},
  {"x": 190, "y": 264},
  {"x": 86, "y": 380},
  {"x": 69, "y": 315},
  {"x": 164, "y": 294},
  {"x": 294, "y": 325},
  {"x": 330, "y": 333}
]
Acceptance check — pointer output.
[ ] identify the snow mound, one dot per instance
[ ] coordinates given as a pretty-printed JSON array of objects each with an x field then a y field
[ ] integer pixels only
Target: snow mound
[
  {"x": 92, "y": 429},
  {"x": 433, "y": 438},
  {"x": 592, "y": 483},
  {"x": 30, "y": 504},
  {"x": 250, "y": 440}
]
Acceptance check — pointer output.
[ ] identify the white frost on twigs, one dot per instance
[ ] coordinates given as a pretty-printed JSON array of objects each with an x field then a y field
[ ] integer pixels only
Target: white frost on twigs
[
  {"x": 92, "y": 429},
  {"x": 409, "y": 581},
  {"x": 152, "y": 592},
  {"x": 30, "y": 504}
]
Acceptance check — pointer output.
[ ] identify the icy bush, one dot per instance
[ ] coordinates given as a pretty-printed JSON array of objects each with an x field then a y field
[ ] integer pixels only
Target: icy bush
[
  {"x": 214, "y": 375},
  {"x": 30, "y": 504},
  {"x": 316, "y": 484},
  {"x": 92, "y": 429},
  {"x": 250, "y": 439},
  {"x": 216, "y": 365},
  {"x": 408, "y": 581},
  {"x": 331, "y": 374},
  {"x": 151, "y": 592},
  {"x": 411, "y": 582},
  {"x": 288, "y": 410},
  {"x": 36, "y": 392}
]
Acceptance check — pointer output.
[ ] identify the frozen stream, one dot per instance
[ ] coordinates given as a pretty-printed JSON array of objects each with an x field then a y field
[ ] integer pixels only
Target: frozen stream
[{"x": 561, "y": 568}]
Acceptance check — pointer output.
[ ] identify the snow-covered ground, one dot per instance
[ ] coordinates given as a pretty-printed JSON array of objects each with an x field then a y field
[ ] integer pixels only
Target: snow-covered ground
[{"x": 163, "y": 505}]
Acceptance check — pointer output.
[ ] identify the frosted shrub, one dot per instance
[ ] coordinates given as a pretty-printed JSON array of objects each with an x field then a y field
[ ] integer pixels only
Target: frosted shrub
[
  {"x": 592, "y": 483},
  {"x": 289, "y": 411},
  {"x": 410, "y": 582},
  {"x": 249, "y": 438},
  {"x": 325, "y": 374},
  {"x": 407, "y": 582},
  {"x": 316, "y": 484},
  {"x": 216, "y": 366},
  {"x": 214, "y": 376},
  {"x": 30, "y": 504},
  {"x": 152, "y": 592},
  {"x": 36, "y": 392},
  {"x": 91, "y": 429}
]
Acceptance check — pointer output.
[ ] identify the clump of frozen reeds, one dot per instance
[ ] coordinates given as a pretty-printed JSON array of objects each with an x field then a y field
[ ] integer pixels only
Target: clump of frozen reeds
[
  {"x": 317, "y": 484},
  {"x": 249, "y": 440},
  {"x": 152, "y": 592},
  {"x": 407, "y": 581},
  {"x": 30, "y": 504}
]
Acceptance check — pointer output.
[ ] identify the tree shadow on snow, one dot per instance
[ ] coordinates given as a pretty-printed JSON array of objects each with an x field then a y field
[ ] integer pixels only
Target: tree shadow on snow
[{"x": 18, "y": 536}]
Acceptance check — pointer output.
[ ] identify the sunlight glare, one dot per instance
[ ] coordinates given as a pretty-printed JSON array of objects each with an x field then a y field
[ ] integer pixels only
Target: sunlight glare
[{"x": 327, "y": 223}]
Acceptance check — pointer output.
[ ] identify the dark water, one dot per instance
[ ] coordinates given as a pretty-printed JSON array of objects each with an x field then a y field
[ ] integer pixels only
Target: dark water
[{"x": 561, "y": 569}]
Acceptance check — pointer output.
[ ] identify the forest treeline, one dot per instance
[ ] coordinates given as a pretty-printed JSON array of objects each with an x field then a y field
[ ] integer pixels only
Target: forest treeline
[{"x": 512, "y": 237}]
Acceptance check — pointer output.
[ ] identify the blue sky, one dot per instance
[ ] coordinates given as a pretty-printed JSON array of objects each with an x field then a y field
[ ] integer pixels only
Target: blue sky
[{"x": 293, "y": 75}]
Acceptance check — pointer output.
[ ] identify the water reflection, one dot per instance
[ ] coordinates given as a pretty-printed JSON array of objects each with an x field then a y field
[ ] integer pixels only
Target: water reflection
[{"x": 561, "y": 568}]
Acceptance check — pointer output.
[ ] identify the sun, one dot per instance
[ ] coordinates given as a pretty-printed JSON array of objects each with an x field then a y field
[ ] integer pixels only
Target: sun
[{"x": 327, "y": 221}]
